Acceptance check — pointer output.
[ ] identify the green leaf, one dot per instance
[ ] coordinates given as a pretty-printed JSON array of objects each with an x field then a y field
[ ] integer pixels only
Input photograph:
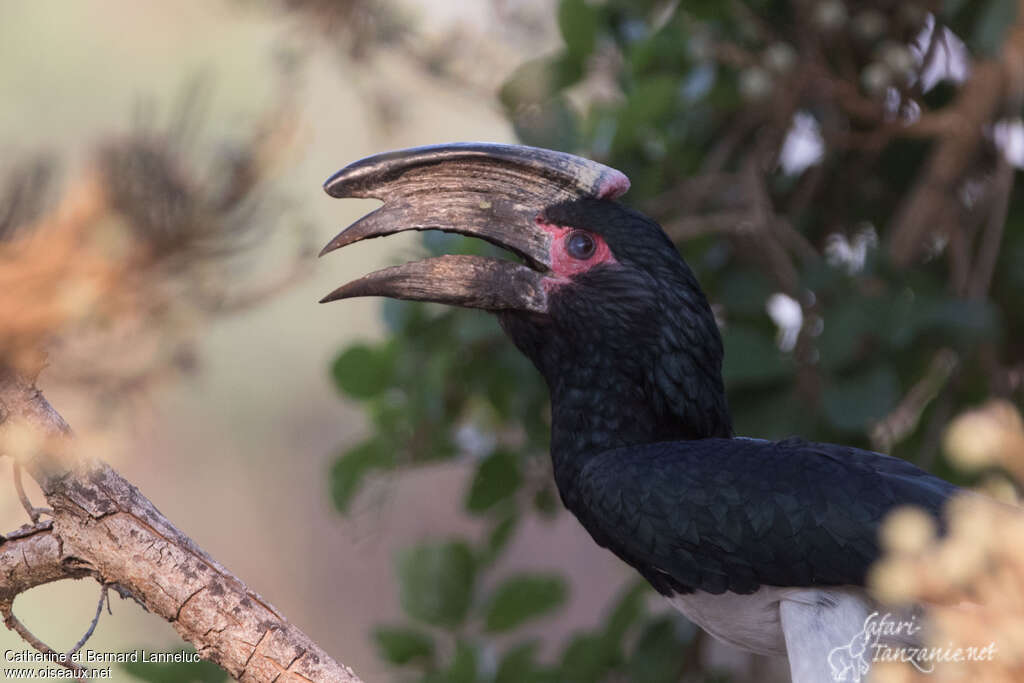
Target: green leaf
[
  {"x": 546, "y": 502},
  {"x": 751, "y": 357},
  {"x": 463, "y": 667},
  {"x": 437, "y": 582},
  {"x": 1010, "y": 276},
  {"x": 579, "y": 22},
  {"x": 852, "y": 404},
  {"x": 350, "y": 469},
  {"x": 660, "y": 652},
  {"x": 524, "y": 597},
  {"x": 627, "y": 610},
  {"x": 776, "y": 413},
  {"x": 499, "y": 537},
  {"x": 398, "y": 315},
  {"x": 961, "y": 321},
  {"x": 651, "y": 102},
  {"x": 843, "y": 334},
  {"x": 517, "y": 664},
  {"x": 990, "y": 29},
  {"x": 363, "y": 372},
  {"x": 538, "y": 81},
  {"x": 479, "y": 329},
  {"x": 667, "y": 51},
  {"x": 175, "y": 672},
  {"x": 744, "y": 292},
  {"x": 951, "y": 7},
  {"x": 707, "y": 9},
  {"x": 551, "y": 124},
  {"x": 497, "y": 478},
  {"x": 401, "y": 645},
  {"x": 587, "y": 659}
]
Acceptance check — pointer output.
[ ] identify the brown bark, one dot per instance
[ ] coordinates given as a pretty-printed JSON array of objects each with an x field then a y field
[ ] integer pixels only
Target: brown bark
[{"x": 105, "y": 528}]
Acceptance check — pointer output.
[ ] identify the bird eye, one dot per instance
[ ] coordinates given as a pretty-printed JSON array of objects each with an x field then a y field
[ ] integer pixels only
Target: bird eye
[{"x": 580, "y": 245}]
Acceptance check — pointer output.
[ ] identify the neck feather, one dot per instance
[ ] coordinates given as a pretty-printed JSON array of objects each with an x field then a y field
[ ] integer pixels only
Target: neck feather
[{"x": 598, "y": 410}]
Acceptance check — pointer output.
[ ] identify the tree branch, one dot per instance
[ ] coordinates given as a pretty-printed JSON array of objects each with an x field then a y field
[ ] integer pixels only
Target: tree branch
[
  {"x": 105, "y": 528},
  {"x": 992, "y": 84}
]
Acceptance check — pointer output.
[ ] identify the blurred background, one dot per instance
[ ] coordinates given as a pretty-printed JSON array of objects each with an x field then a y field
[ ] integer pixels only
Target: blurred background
[{"x": 843, "y": 177}]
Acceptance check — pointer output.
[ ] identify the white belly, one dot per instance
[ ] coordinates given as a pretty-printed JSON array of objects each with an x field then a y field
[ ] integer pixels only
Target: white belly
[
  {"x": 805, "y": 624},
  {"x": 753, "y": 621},
  {"x": 749, "y": 622}
]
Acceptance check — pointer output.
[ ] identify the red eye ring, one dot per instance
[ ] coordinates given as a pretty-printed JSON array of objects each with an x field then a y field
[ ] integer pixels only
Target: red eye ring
[{"x": 580, "y": 245}]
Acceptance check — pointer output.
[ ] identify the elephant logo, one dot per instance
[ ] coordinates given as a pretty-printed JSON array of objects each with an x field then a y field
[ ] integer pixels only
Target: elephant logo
[{"x": 849, "y": 663}]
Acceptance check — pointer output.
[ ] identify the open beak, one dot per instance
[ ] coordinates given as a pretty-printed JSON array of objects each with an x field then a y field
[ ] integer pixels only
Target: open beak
[{"x": 491, "y": 191}]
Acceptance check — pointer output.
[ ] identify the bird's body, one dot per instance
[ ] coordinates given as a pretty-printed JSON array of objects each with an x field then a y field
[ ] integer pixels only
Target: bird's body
[
  {"x": 764, "y": 544},
  {"x": 784, "y": 574},
  {"x": 815, "y": 523}
]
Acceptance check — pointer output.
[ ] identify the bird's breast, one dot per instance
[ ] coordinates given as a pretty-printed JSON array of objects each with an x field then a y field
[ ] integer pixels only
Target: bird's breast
[{"x": 749, "y": 622}]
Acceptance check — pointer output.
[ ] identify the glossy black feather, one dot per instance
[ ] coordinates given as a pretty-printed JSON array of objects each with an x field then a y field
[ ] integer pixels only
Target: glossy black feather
[{"x": 734, "y": 514}]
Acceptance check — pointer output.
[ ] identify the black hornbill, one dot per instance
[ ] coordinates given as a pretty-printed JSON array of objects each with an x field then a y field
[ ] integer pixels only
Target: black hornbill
[{"x": 765, "y": 544}]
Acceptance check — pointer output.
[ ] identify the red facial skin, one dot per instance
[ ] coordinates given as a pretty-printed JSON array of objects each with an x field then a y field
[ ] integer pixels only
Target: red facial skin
[{"x": 564, "y": 266}]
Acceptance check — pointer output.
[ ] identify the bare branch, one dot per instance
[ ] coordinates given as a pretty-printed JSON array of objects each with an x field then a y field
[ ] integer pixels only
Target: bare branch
[
  {"x": 12, "y": 622},
  {"x": 33, "y": 512},
  {"x": 104, "y": 600},
  {"x": 691, "y": 227},
  {"x": 988, "y": 252},
  {"x": 105, "y": 528},
  {"x": 29, "y": 558},
  {"x": 904, "y": 418},
  {"x": 992, "y": 84}
]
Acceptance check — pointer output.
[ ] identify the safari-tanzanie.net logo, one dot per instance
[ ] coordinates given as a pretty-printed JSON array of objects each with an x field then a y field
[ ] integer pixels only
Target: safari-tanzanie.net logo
[{"x": 887, "y": 638}]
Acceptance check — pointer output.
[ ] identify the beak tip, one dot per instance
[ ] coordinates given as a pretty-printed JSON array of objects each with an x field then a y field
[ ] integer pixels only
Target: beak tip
[
  {"x": 331, "y": 185},
  {"x": 343, "y": 239}
]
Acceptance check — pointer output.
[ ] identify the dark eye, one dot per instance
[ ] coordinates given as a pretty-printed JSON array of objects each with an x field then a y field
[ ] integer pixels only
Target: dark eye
[{"x": 580, "y": 245}]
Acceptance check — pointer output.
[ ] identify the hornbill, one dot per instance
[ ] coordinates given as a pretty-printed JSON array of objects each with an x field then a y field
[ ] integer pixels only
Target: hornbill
[{"x": 764, "y": 544}]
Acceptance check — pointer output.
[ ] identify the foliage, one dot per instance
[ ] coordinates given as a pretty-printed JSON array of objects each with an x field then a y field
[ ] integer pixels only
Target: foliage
[{"x": 908, "y": 302}]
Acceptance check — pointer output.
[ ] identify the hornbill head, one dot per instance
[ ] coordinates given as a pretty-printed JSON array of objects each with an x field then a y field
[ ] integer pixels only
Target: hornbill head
[{"x": 601, "y": 299}]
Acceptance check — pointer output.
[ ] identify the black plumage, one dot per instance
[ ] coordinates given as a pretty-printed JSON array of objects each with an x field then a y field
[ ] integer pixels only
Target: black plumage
[
  {"x": 733, "y": 514},
  {"x": 641, "y": 435}
]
